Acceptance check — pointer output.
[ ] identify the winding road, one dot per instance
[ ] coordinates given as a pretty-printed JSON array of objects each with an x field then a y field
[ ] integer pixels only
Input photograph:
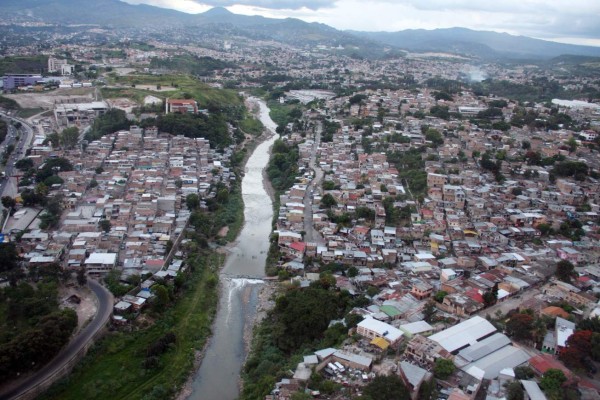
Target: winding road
[{"x": 34, "y": 384}]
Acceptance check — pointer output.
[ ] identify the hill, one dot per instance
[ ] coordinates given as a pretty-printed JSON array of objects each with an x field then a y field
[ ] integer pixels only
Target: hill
[
  {"x": 221, "y": 23},
  {"x": 478, "y": 44}
]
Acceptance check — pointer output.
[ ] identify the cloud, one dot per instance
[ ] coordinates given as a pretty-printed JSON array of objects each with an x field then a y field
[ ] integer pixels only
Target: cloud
[{"x": 273, "y": 4}]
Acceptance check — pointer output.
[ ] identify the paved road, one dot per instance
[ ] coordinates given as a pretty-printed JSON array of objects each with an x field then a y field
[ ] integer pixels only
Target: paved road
[
  {"x": 8, "y": 184},
  {"x": 311, "y": 234},
  {"x": 79, "y": 342}
]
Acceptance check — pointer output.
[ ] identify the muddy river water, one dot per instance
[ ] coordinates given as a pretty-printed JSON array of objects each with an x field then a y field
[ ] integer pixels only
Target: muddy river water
[{"x": 218, "y": 375}]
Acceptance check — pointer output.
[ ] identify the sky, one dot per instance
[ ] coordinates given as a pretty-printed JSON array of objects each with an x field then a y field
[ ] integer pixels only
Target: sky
[{"x": 566, "y": 21}]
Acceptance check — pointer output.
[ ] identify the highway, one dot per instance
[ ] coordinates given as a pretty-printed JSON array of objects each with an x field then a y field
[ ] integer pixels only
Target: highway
[
  {"x": 26, "y": 132},
  {"x": 28, "y": 386}
]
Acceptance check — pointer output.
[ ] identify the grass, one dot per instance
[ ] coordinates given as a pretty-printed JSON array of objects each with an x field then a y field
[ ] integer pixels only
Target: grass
[
  {"x": 113, "y": 368},
  {"x": 30, "y": 112},
  {"x": 184, "y": 84},
  {"x": 251, "y": 126}
]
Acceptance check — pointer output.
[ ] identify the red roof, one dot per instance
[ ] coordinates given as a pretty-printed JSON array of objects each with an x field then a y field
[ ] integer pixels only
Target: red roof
[
  {"x": 544, "y": 362},
  {"x": 475, "y": 295},
  {"x": 155, "y": 263},
  {"x": 298, "y": 246}
]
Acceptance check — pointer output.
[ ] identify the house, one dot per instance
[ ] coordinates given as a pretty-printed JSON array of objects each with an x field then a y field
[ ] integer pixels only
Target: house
[
  {"x": 370, "y": 328},
  {"x": 413, "y": 377},
  {"x": 416, "y": 328},
  {"x": 100, "y": 263},
  {"x": 182, "y": 106}
]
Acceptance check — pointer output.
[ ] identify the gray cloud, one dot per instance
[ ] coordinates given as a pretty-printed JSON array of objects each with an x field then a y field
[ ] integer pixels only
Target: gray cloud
[{"x": 272, "y": 4}]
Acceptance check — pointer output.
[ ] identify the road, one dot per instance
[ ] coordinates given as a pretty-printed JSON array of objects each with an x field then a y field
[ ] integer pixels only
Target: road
[
  {"x": 311, "y": 234},
  {"x": 76, "y": 345},
  {"x": 7, "y": 184}
]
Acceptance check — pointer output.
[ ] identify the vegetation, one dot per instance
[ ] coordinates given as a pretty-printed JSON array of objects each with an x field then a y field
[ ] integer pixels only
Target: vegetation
[
  {"x": 411, "y": 168},
  {"x": 150, "y": 363},
  {"x": 190, "y": 64},
  {"x": 298, "y": 323},
  {"x": 8, "y": 104},
  {"x": 443, "y": 368},
  {"x": 23, "y": 64},
  {"x": 283, "y": 165},
  {"x": 3, "y": 130},
  {"x": 564, "y": 271},
  {"x": 113, "y": 120},
  {"x": 212, "y": 127},
  {"x": 386, "y": 388},
  {"x": 552, "y": 382}
]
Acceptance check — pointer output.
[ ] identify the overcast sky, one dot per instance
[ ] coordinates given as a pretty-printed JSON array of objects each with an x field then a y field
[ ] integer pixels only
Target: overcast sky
[{"x": 568, "y": 21}]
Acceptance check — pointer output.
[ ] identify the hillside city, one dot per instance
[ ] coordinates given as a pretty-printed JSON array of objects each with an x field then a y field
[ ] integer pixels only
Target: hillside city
[{"x": 436, "y": 219}]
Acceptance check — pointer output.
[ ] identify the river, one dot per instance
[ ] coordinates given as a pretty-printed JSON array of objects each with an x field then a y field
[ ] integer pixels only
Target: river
[{"x": 218, "y": 375}]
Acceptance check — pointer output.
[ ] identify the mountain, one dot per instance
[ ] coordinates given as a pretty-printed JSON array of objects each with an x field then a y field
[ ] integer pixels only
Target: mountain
[
  {"x": 479, "y": 44},
  {"x": 219, "y": 22}
]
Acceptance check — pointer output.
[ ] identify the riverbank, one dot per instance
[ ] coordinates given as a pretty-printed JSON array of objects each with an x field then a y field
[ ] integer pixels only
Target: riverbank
[
  {"x": 115, "y": 368},
  {"x": 244, "y": 297}
]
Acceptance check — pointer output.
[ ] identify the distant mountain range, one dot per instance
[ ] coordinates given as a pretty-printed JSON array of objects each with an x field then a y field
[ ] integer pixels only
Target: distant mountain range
[
  {"x": 219, "y": 21},
  {"x": 480, "y": 44}
]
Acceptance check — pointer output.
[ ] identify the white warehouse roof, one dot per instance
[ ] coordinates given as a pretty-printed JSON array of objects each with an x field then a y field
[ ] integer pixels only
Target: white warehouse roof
[{"x": 466, "y": 333}]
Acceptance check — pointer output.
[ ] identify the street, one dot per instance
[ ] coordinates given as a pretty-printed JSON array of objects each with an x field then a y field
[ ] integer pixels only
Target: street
[
  {"x": 75, "y": 346},
  {"x": 312, "y": 235}
]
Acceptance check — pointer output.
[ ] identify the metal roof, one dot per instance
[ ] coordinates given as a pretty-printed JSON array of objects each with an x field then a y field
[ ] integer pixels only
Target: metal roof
[
  {"x": 464, "y": 334},
  {"x": 485, "y": 347},
  {"x": 506, "y": 357}
]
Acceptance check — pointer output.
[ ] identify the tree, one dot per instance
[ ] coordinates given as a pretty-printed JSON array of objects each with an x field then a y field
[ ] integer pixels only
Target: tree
[
  {"x": 24, "y": 164},
  {"x": 519, "y": 326},
  {"x": 514, "y": 391},
  {"x": 434, "y": 136},
  {"x": 564, "y": 270},
  {"x": 429, "y": 310},
  {"x": 69, "y": 137},
  {"x": 352, "y": 272},
  {"x": 192, "y": 201},
  {"x": 328, "y": 201},
  {"x": 552, "y": 381},
  {"x": 439, "y": 295},
  {"x": 443, "y": 368},
  {"x": 81, "y": 276},
  {"x": 8, "y": 202},
  {"x": 105, "y": 225},
  {"x": 524, "y": 372},
  {"x": 386, "y": 388},
  {"x": 9, "y": 258}
]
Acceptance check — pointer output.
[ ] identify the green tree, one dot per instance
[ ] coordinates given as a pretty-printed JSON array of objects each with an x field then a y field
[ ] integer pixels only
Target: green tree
[
  {"x": 352, "y": 272},
  {"x": 105, "y": 225},
  {"x": 8, "y": 202},
  {"x": 552, "y": 381},
  {"x": 514, "y": 391},
  {"x": 564, "y": 270},
  {"x": 434, "y": 136},
  {"x": 81, "y": 276},
  {"x": 443, "y": 368},
  {"x": 386, "y": 388},
  {"x": 69, "y": 137},
  {"x": 439, "y": 296},
  {"x": 429, "y": 310},
  {"x": 328, "y": 201},
  {"x": 192, "y": 201}
]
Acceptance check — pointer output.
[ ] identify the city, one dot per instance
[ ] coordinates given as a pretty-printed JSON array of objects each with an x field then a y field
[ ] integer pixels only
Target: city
[{"x": 311, "y": 212}]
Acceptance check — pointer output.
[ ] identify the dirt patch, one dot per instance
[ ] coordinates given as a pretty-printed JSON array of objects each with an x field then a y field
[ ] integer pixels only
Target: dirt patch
[
  {"x": 82, "y": 300},
  {"x": 47, "y": 100}
]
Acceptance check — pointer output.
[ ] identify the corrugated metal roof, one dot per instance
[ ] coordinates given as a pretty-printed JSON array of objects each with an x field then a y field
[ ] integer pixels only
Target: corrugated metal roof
[
  {"x": 485, "y": 347},
  {"x": 506, "y": 357},
  {"x": 463, "y": 334}
]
